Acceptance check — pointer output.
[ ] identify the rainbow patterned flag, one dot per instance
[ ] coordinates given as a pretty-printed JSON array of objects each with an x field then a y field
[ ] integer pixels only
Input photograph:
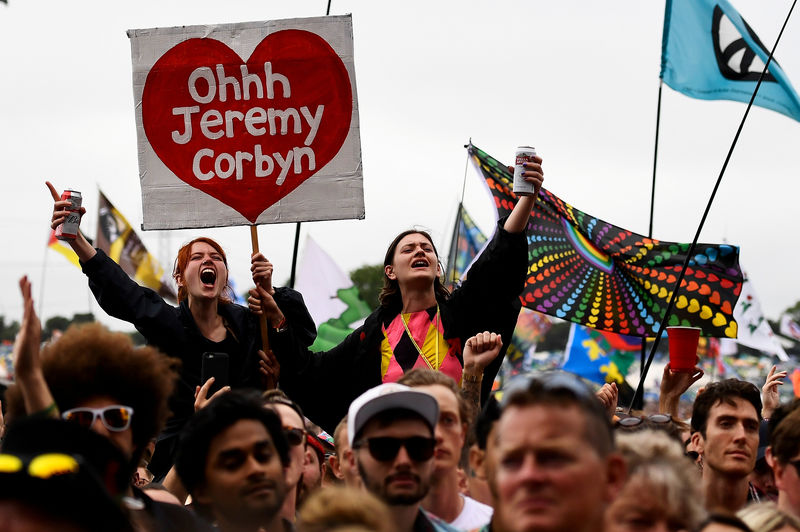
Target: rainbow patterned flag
[{"x": 588, "y": 271}]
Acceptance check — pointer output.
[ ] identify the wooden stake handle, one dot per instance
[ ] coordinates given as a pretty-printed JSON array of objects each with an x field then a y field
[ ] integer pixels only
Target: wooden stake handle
[{"x": 262, "y": 318}]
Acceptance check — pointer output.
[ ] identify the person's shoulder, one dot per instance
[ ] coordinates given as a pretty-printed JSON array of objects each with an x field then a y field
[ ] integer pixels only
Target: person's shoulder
[
  {"x": 477, "y": 506},
  {"x": 170, "y": 516},
  {"x": 474, "y": 515}
]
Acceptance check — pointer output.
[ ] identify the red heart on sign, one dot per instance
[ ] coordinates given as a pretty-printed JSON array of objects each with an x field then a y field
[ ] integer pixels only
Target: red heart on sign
[{"x": 248, "y": 133}]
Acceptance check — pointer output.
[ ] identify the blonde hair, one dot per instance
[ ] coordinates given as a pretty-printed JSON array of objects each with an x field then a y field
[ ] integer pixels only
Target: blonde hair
[
  {"x": 765, "y": 517},
  {"x": 656, "y": 460},
  {"x": 344, "y": 509}
]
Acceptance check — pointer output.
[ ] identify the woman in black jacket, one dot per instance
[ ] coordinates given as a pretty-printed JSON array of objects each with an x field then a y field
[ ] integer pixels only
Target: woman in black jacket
[
  {"x": 205, "y": 321},
  {"x": 418, "y": 324}
]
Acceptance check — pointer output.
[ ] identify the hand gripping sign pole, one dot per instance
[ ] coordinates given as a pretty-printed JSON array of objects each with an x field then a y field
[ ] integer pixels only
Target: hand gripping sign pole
[{"x": 262, "y": 318}]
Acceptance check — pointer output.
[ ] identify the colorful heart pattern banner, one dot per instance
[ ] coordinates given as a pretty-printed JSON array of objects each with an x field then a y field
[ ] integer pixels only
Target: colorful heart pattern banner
[{"x": 588, "y": 271}]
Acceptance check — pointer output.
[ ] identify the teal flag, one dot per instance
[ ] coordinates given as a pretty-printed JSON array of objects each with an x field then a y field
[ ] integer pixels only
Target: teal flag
[{"x": 709, "y": 52}]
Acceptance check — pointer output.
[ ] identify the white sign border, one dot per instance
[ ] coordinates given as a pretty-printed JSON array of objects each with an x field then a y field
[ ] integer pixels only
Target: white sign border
[{"x": 335, "y": 192}]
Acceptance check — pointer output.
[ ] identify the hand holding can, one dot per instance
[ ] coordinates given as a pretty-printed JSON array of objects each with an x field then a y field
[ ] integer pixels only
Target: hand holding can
[
  {"x": 67, "y": 212},
  {"x": 525, "y": 154}
]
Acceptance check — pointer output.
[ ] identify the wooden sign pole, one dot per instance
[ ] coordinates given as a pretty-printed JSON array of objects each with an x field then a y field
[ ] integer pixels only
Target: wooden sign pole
[{"x": 262, "y": 318}]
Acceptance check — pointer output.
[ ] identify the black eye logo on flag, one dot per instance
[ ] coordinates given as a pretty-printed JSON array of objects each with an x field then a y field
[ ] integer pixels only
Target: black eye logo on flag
[{"x": 735, "y": 59}]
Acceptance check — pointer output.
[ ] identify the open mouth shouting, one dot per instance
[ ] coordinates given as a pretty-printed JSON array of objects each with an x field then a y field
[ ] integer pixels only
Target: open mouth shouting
[
  {"x": 420, "y": 263},
  {"x": 208, "y": 276}
]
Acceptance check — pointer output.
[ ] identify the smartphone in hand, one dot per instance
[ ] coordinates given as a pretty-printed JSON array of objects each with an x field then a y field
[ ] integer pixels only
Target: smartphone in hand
[{"x": 214, "y": 365}]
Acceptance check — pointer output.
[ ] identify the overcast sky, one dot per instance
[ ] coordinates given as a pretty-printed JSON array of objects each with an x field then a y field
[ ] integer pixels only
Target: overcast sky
[{"x": 578, "y": 80}]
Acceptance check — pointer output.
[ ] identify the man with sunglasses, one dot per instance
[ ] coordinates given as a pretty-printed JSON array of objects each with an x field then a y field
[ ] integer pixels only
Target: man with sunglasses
[
  {"x": 550, "y": 459},
  {"x": 390, "y": 430},
  {"x": 445, "y": 499},
  {"x": 294, "y": 428}
]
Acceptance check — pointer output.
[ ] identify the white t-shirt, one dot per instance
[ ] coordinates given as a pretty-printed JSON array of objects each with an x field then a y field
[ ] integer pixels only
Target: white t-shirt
[{"x": 474, "y": 515}]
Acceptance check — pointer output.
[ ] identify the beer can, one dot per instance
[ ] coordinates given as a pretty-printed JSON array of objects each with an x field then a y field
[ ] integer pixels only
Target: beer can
[
  {"x": 69, "y": 229},
  {"x": 525, "y": 154}
]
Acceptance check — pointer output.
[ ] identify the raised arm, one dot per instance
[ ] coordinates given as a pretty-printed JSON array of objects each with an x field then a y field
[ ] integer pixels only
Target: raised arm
[
  {"x": 479, "y": 351},
  {"x": 80, "y": 245},
  {"x": 27, "y": 365},
  {"x": 770, "y": 396},
  {"x": 673, "y": 385},
  {"x": 518, "y": 219}
]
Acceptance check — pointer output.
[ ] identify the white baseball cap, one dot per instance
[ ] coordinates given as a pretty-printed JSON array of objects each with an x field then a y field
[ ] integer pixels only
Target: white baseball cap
[{"x": 390, "y": 396}]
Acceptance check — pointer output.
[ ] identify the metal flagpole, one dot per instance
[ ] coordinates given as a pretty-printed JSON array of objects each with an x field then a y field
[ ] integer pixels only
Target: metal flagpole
[
  {"x": 655, "y": 160},
  {"x": 452, "y": 254},
  {"x": 638, "y": 398},
  {"x": 690, "y": 252}
]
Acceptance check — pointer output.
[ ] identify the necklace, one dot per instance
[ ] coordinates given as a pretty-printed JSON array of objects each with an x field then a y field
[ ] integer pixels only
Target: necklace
[{"x": 408, "y": 332}]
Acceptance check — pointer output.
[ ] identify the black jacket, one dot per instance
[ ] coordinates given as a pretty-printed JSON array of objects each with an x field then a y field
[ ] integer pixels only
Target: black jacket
[
  {"x": 325, "y": 383},
  {"x": 173, "y": 330}
]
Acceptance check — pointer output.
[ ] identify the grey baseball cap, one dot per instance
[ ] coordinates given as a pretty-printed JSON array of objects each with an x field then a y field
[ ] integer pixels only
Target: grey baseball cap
[{"x": 390, "y": 396}]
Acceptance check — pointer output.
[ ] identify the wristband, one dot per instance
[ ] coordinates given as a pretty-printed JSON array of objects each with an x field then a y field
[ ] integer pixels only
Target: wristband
[
  {"x": 46, "y": 412},
  {"x": 472, "y": 378},
  {"x": 280, "y": 327}
]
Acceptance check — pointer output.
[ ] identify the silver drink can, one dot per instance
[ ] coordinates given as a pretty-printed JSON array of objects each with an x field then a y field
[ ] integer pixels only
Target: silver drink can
[
  {"x": 69, "y": 229},
  {"x": 525, "y": 154}
]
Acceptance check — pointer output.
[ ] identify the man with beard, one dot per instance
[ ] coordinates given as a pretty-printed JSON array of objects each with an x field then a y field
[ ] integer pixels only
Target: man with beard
[
  {"x": 390, "y": 430},
  {"x": 445, "y": 499},
  {"x": 725, "y": 421},
  {"x": 231, "y": 459}
]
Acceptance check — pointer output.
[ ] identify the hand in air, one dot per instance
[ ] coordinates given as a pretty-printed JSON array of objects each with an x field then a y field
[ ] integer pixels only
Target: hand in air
[
  {"x": 60, "y": 207},
  {"x": 770, "y": 395},
  {"x": 201, "y": 398},
  {"x": 608, "y": 394},
  {"x": 480, "y": 350}
]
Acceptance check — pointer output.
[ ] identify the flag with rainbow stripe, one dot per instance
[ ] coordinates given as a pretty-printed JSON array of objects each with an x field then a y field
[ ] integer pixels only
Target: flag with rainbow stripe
[{"x": 588, "y": 271}]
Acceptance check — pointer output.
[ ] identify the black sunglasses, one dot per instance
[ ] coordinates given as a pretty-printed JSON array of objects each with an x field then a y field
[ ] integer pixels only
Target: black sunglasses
[
  {"x": 385, "y": 449},
  {"x": 294, "y": 436},
  {"x": 633, "y": 421}
]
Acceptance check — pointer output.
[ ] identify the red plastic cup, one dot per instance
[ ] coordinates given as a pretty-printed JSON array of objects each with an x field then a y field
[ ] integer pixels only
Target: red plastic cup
[{"x": 683, "y": 347}]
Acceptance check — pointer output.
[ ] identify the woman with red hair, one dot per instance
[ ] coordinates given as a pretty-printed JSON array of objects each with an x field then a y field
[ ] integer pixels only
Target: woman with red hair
[{"x": 205, "y": 321}]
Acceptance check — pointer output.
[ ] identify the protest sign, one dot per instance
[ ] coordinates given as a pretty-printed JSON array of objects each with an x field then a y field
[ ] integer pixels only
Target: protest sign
[{"x": 247, "y": 123}]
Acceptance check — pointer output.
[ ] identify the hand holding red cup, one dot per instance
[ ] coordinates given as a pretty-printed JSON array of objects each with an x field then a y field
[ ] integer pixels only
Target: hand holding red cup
[{"x": 683, "y": 347}]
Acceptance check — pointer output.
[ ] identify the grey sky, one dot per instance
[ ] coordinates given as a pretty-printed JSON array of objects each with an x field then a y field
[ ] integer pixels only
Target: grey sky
[{"x": 578, "y": 80}]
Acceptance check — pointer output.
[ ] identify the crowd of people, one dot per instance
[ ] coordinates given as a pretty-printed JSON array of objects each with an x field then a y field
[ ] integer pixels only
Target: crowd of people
[{"x": 396, "y": 429}]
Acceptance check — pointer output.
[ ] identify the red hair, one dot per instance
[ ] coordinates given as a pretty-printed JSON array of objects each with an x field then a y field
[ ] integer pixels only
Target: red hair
[{"x": 183, "y": 259}]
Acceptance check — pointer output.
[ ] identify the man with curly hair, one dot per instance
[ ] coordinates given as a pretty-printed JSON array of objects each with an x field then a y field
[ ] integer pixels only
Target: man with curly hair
[{"x": 98, "y": 379}]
